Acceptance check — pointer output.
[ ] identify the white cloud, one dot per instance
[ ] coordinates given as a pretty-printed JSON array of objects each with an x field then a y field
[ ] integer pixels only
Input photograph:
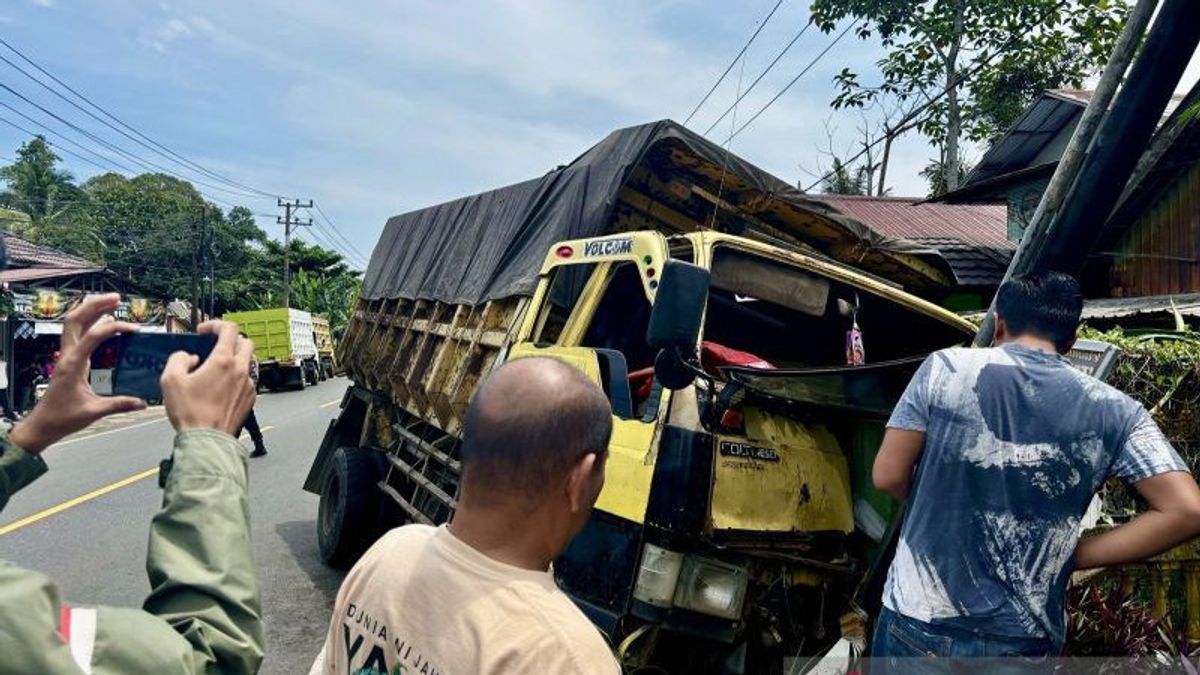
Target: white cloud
[{"x": 43, "y": 3}]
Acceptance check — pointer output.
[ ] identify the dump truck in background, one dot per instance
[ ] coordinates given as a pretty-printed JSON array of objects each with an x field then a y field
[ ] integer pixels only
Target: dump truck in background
[
  {"x": 283, "y": 344},
  {"x": 326, "y": 361},
  {"x": 738, "y": 516}
]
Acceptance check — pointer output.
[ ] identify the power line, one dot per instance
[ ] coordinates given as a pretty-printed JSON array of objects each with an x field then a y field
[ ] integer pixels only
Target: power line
[
  {"x": 761, "y": 25},
  {"x": 794, "y": 79},
  {"x": 336, "y": 231},
  {"x": 761, "y": 75},
  {"x": 60, "y": 149},
  {"x": 151, "y": 166},
  {"x": 43, "y": 127},
  {"x": 137, "y": 136},
  {"x": 141, "y": 139}
]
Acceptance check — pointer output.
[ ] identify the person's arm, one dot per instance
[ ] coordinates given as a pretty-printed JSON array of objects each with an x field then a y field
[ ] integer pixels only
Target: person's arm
[
  {"x": 897, "y": 457},
  {"x": 904, "y": 440},
  {"x": 1156, "y": 471},
  {"x": 200, "y": 564},
  {"x": 1173, "y": 518},
  {"x": 199, "y": 561},
  {"x": 17, "y": 469}
]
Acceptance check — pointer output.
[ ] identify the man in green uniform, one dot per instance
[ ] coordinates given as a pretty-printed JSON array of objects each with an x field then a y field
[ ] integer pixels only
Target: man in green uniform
[{"x": 203, "y": 613}]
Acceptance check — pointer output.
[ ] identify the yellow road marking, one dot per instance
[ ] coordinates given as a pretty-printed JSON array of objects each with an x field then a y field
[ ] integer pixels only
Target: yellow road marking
[
  {"x": 99, "y": 492},
  {"x": 333, "y": 402},
  {"x": 70, "y": 503}
]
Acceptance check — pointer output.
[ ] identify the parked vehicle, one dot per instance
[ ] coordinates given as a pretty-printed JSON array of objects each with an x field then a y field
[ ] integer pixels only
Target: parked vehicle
[
  {"x": 284, "y": 345},
  {"x": 738, "y": 516},
  {"x": 326, "y": 362}
]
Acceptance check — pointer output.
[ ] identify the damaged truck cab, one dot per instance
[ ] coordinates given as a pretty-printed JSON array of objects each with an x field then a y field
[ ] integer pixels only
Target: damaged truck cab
[
  {"x": 726, "y": 537},
  {"x": 738, "y": 515}
]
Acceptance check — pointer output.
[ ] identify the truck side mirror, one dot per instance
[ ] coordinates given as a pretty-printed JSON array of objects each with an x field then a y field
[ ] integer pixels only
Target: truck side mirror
[{"x": 675, "y": 322}]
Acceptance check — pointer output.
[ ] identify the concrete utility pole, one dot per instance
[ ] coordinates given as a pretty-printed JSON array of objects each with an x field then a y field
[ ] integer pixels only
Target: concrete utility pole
[{"x": 288, "y": 222}]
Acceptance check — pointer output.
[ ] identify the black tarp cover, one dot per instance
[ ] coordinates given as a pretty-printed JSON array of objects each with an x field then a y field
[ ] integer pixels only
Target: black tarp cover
[{"x": 491, "y": 245}]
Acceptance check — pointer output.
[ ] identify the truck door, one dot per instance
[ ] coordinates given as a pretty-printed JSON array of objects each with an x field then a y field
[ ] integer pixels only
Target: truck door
[{"x": 592, "y": 309}]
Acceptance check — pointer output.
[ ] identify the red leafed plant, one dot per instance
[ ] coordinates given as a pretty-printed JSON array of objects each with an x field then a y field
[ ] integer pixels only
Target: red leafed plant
[{"x": 1101, "y": 623}]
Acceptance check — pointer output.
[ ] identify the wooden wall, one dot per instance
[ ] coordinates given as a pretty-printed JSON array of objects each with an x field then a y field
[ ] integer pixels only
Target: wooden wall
[{"x": 1160, "y": 254}]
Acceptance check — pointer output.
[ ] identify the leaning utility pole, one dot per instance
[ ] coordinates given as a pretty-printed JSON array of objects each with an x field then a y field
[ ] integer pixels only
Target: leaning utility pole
[{"x": 289, "y": 208}]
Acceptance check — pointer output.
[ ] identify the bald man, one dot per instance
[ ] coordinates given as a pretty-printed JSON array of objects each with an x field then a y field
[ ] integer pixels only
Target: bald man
[{"x": 477, "y": 596}]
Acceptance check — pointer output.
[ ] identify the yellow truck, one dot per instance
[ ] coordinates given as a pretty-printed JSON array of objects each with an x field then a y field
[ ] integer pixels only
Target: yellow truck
[
  {"x": 326, "y": 362},
  {"x": 712, "y": 306},
  {"x": 283, "y": 344}
]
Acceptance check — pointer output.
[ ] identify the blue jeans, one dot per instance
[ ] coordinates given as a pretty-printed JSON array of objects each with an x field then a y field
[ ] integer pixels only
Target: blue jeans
[{"x": 905, "y": 645}]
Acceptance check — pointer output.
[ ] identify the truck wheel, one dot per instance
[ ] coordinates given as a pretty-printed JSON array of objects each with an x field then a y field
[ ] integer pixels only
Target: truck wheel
[{"x": 346, "y": 517}]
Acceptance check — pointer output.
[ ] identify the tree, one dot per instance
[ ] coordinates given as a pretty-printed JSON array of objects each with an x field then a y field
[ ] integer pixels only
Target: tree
[
  {"x": 37, "y": 187},
  {"x": 152, "y": 228},
  {"x": 989, "y": 57}
]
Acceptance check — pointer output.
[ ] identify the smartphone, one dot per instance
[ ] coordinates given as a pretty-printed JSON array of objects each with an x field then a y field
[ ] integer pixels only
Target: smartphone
[{"x": 141, "y": 357}]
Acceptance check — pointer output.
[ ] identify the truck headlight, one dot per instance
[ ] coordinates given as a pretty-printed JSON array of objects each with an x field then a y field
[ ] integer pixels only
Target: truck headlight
[
  {"x": 657, "y": 576},
  {"x": 711, "y": 587}
]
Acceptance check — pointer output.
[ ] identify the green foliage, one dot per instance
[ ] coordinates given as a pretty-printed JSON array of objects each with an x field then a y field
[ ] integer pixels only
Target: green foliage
[
  {"x": 36, "y": 187},
  {"x": 331, "y": 296},
  {"x": 844, "y": 180},
  {"x": 935, "y": 174},
  {"x": 1160, "y": 370},
  {"x": 1000, "y": 54},
  {"x": 150, "y": 229}
]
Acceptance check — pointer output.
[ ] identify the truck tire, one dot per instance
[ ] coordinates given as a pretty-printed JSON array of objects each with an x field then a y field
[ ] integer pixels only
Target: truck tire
[{"x": 347, "y": 516}]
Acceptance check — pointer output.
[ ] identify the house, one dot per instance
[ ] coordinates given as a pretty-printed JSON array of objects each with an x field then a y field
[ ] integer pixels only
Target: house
[
  {"x": 40, "y": 285},
  {"x": 31, "y": 265},
  {"x": 1150, "y": 246}
]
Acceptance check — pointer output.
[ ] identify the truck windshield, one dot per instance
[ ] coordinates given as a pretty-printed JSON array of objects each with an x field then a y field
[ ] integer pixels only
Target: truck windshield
[{"x": 793, "y": 318}]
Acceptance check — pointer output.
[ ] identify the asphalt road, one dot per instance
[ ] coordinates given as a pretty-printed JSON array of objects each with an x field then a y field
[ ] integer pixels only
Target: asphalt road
[{"x": 85, "y": 523}]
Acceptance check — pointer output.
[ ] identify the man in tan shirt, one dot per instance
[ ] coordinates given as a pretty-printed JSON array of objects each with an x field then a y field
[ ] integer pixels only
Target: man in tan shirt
[{"x": 477, "y": 596}]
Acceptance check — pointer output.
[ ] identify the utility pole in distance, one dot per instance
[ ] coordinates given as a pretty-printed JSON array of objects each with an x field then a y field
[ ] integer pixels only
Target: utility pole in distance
[
  {"x": 198, "y": 228},
  {"x": 288, "y": 222}
]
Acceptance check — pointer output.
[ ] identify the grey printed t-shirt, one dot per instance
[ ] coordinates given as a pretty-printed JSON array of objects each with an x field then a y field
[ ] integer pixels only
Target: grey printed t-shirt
[{"x": 1016, "y": 443}]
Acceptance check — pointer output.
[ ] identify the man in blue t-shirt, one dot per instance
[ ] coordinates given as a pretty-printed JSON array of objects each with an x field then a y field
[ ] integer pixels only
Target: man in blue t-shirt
[{"x": 999, "y": 452}]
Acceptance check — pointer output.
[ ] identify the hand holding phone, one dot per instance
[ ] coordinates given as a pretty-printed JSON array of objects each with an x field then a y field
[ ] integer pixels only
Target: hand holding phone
[
  {"x": 217, "y": 394},
  {"x": 142, "y": 357},
  {"x": 69, "y": 404}
]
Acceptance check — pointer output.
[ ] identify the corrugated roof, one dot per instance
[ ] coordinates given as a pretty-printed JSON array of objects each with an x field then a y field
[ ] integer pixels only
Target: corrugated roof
[
  {"x": 35, "y": 273},
  {"x": 25, "y": 253},
  {"x": 1188, "y": 304},
  {"x": 911, "y": 218},
  {"x": 1047, "y": 115}
]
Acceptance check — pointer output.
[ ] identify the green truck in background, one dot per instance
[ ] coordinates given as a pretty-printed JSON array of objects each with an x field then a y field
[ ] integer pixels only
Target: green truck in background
[
  {"x": 284, "y": 345},
  {"x": 326, "y": 361}
]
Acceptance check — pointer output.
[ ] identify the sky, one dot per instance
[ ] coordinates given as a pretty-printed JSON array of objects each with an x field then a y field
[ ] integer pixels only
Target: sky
[{"x": 379, "y": 107}]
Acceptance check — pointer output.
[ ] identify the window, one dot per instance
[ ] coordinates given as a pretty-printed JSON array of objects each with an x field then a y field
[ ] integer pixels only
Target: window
[
  {"x": 793, "y": 318},
  {"x": 566, "y": 285}
]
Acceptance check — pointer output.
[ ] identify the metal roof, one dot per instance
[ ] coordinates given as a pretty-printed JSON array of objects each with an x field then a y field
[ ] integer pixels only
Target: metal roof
[
  {"x": 971, "y": 238},
  {"x": 1053, "y": 111},
  {"x": 1188, "y": 304},
  {"x": 912, "y": 218}
]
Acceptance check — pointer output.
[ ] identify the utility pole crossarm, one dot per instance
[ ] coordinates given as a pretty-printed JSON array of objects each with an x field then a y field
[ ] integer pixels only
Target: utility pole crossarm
[{"x": 289, "y": 221}]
